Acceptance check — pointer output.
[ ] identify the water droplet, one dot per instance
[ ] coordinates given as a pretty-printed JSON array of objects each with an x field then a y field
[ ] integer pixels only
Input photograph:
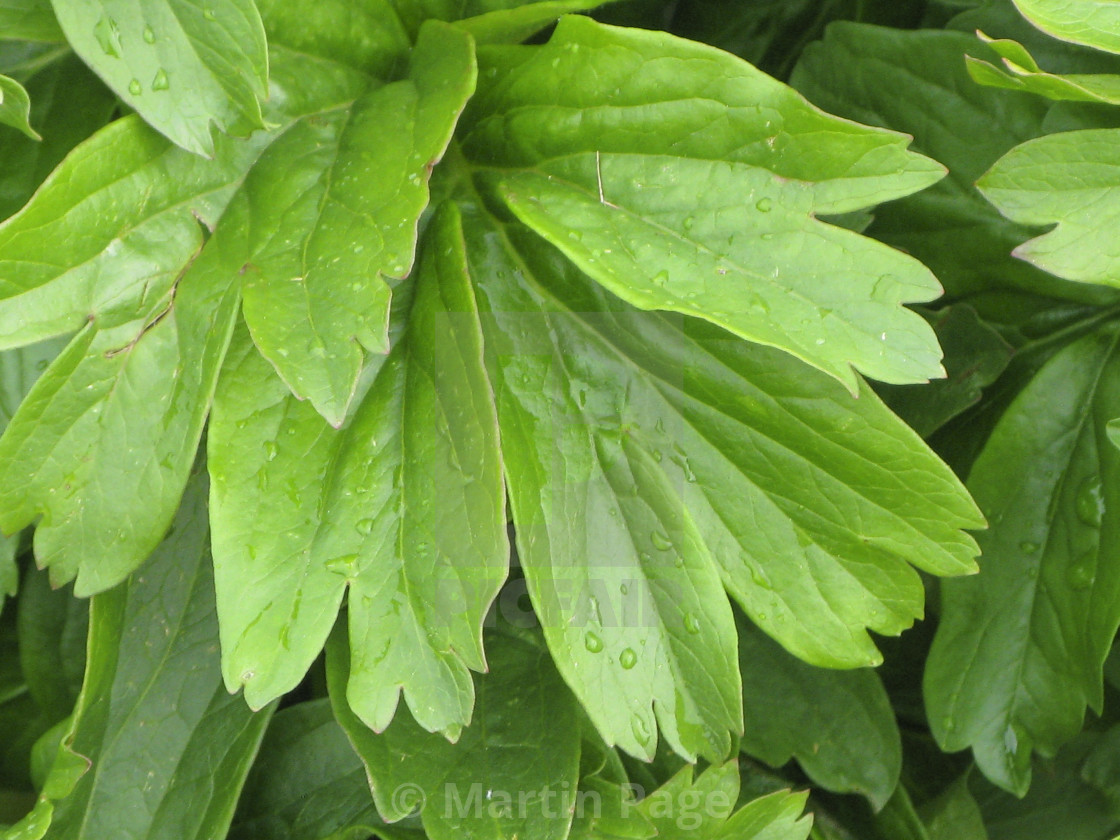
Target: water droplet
[
  {"x": 691, "y": 623},
  {"x": 270, "y": 449},
  {"x": 759, "y": 578},
  {"x": 1090, "y": 502},
  {"x": 108, "y": 37},
  {"x": 661, "y": 278},
  {"x": 160, "y": 81},
  {"x": 628, "y": 659},
  {"x": 135, "y": 88},
  {"x": 208, "y": 13},
  {"x": 149, "y": 35},
  {"x": 593, "y": 643},
  {"x": 344, "y": 565},
  {"x": 689, "y": 222},
  {"x": 660, "y": 541},
  {"x": 764, "y": 205},
  {"x": 1028, "y": 547},
  {"x": 364, "y": 526},
  {"x": 640, "y": 729},
  {"x": 624, "y": 589},
  {"x": 1082, "y": 573}
]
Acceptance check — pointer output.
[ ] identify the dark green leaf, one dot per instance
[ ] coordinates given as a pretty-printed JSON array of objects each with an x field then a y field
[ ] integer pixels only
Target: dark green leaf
[
  {"x": 307, "y": 783},
  {"x": 154, "y": 727},
  {"x": 917, "y": 82},
  {"x": 1020, "y": 647},
  {"x": 837, "y": 724},
  {"x": 31, "y": 20},
  {"x": 975, "y": 355},
  {"x": 514, "y": 770}
]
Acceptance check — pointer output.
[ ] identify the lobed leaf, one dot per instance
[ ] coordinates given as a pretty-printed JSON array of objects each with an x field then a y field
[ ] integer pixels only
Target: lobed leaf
[
  {"x": 837, "y": 724},
  {"x": 513, "y": 771},
  {"x": 404, "y": 506},
  {"x": 608, "y": 133},
  {"x": 638, "y": 488},
  {"x": 153, "y": 726},
  {"x": 1068, "y": 180},
  {"x": 316, "y": 300},
  {"x": 1020, "y": 648}
]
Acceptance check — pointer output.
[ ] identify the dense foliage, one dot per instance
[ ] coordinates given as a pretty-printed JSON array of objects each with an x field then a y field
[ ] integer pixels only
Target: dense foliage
[{"x": 559, "y": 419}]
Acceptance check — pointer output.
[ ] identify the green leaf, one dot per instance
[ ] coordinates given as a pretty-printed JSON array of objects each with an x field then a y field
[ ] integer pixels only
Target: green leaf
[
  {"x": 405, "y": 506},
  {"x": 975, "y": 355},
  {"x": 182, "y": 66},
  {"x": 1021, "y": 72},
  {"x": 639, "y": 490},
  {"x": 703, "y": 807},
  {"x": 29, "y": 20},
  {"x": 953, "y": 814},
  {"x": 1102, "y": 767},
  {"x": 1066, "y": 180},
  {"x": 672, "y": 207},
  {"x": 1094, "y": 23},
  {"x": 513, "y": 25},
  {"x": 1020, "y": 648},
  {"x": 70, "y": 103},
  {"x": 1059, "y": 804},
  {"x": 315, "y": 302},
  {"x": 102, "y": 445},
  {"x": 53, "y": 625},
  {"x": 15, "y": 107},
  {"x": 917, "y": 82},
  {"x": 307, "y": 783},
  {"x": 365, "y": 34},
  {"x": 837, "y": 724},
  {"x": 157, "y": 299},
  {"x": 154, "y": 727},
  {"x": 513, "y": 772}
]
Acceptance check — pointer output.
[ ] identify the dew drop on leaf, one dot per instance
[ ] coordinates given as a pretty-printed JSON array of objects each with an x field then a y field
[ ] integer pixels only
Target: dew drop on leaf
[
  {"x": 628, "y": 659},
  {"x": 364, "y": 526},
  {"x": 135, "y": 88},
  {"x": 270, "y": 450},
  {"x": 764, "y": 205},
  {"x": 1090, "y": 502},
  {"x": 1028, "y": 547},
  {"x": 660, "y": 541},
  {"x": 1082, "y": 573},
  {"x": 593, "y": 643},
  {"x": 691, "y": 623},
  {"x": 105, "y": 31},
  {"x": 640, "y": 729},
  {"x": 160, "y": 81},
  {"x": 149, "y": 35}
]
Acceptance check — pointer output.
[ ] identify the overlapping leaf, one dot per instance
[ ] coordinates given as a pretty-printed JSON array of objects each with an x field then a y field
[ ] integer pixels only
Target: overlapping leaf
[
  {"x": 607, "y": 168},
  {"x": 1094, "y": 23},
  {"x": 184, "y": 67},
  {"x": 638, "y": 487},
  {"x": 404, "y": 506},
  {"x": 15, "y": 107},
  {"x": 1067, "y": 180},
  {"x": 916, "y": 81},
  {"x": 316, "y": 300},
  {"x": 1020, "y": 648},
  {"x": 513, "y": 772},
  {"x": 1019, "y": 71},
  {"x": 153, "y": 723},
  {"x": 837, "y": 724},
  {"x": 154, "y": 334}
]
